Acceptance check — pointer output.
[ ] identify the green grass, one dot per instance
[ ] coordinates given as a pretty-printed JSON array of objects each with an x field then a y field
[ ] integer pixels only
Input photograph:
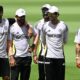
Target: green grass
[{"x": 69, "y": 12}]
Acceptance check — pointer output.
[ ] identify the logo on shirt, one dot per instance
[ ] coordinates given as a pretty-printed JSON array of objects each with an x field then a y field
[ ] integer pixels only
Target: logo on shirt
[
  {"x": 49, "y": 30},
  {"x": 60, "y": 30},
  {"x": 20, "y": 36},
  {"x": 17, "y": 33},
  {"x": 17, "y": 36}
]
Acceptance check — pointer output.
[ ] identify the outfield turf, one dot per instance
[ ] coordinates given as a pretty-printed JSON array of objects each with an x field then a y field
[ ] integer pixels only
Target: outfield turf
[{"x": 69, "y": 12}]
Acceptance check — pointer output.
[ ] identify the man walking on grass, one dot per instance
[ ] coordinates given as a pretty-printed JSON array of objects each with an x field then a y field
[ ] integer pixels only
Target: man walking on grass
[{"x": 20, "y": 62}]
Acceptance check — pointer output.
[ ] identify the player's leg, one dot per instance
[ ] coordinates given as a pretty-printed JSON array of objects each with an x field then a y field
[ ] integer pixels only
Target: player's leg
[
  {"x": 14, "y": 71},
  {"x": 25, "y": 68},
  {"x": 60, "y": 70},
  {"x": 50, "y": 69},
  {"x": 41, "y": 68},
  {"x": 5, "y": 72}
]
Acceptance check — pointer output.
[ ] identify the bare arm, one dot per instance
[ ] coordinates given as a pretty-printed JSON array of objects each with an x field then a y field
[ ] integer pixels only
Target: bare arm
[
  {"x": 30, "y": 32},
  {"x": 77, "y": 55},
  {"x": 10, "y": 47},
  {"x": 77, "y": 50},
  {"x": 10, "y": 53},
  {"x": 36, "y": 42}
]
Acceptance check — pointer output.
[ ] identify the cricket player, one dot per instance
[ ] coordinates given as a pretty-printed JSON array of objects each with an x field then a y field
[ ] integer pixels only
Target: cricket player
[
  {"x": 38, "y": 29},
  {"x": 77, "y": 48},
  {"x": 4, "y": 63},
  {"x": 20, "y": 62},
  {"x": 55, "y": 36}
]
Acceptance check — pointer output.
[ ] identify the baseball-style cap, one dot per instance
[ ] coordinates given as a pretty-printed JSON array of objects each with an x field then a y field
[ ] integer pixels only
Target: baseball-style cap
[
  {"x": 20, "y": 12},
  {"x": 53, "y": 9},
  {"x": 46, "y": 6}
]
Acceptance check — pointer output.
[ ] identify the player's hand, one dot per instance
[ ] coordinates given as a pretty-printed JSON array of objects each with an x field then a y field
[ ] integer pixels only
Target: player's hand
[
  {"x": 30, "y": 49},
  {"x": 12, "y": 61},
  {"x": 35, "y": 59},
  {"x": 78, "y": 62}
]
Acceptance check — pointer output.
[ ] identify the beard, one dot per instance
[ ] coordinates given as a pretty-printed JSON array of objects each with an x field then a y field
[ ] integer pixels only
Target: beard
[{"x": 21, "y": 22}]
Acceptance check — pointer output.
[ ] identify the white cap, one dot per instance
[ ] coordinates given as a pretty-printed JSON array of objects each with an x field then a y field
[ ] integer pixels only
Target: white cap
[
  {"x": 46, "y": 6},
  {"x": 20, "y": 12},
  {"x": 53, "y": 9}
]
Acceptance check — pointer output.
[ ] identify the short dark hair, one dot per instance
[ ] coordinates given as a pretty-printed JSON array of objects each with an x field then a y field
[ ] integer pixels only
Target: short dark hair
[{"x": 1, "y": 8}]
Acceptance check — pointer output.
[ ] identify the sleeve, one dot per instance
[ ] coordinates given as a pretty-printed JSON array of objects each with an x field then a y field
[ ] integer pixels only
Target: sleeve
[
  {"x": 36, "y": 28},
  {"x": 34, "y": 32},
  {"x": 10, "y": 35},
  {"x": 65, "y": 34},
  {"x": 43, "y": 35},
  {"x": 77, "y": 37},
  {"x": 7, "y": 27}
]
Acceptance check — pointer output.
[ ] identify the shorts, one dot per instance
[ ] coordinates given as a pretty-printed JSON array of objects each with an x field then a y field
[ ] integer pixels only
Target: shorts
[
  {"x": 4, "y": 67},
  {"x": 55, "y": 70},
  {"x": 23, "y": 66},
  {"x": 41, "y": 67}
]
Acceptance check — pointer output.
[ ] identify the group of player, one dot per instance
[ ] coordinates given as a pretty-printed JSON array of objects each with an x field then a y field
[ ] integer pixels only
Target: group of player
[{"x": 49, "y": 33}]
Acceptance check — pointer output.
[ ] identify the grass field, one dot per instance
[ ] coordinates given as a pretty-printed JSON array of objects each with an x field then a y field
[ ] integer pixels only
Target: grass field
[{"x": 69, "y": 12}]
